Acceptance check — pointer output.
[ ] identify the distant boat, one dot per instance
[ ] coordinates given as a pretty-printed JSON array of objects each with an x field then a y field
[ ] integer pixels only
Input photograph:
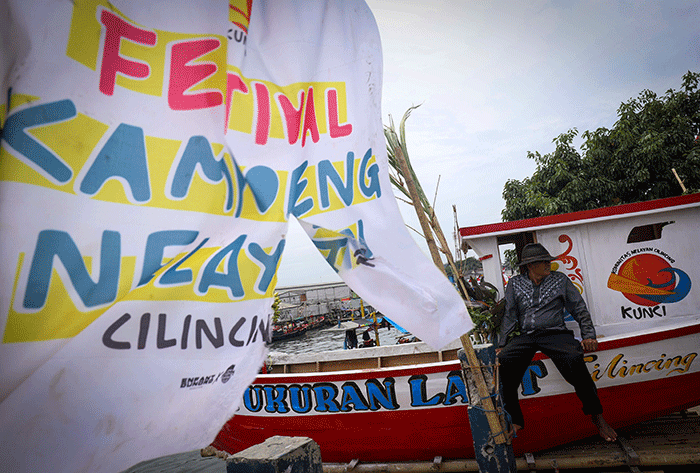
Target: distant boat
[
  {"x": 282, "y": 332},
  {"x": 636, "y": 265},
  {"x": 297, "y": 328}
]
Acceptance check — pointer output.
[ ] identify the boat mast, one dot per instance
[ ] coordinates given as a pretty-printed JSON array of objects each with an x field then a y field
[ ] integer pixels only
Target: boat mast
[{"x": 422, "y": 207}]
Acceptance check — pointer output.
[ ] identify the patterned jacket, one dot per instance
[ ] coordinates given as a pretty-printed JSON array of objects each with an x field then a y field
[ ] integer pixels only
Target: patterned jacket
[{"x": 536, "y": 308}]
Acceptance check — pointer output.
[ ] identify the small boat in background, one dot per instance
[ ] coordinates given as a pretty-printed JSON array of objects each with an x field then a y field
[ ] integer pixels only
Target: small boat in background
[
  {"x": 635, "y": 265},
  {"x": 287, "y": 331},
  {"x": 296, "y": 328}
]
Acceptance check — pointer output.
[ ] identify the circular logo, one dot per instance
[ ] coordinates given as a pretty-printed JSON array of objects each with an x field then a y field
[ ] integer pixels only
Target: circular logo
[
  {"x": 228, "y": 374},
  {"x": 647, "y": 279}
]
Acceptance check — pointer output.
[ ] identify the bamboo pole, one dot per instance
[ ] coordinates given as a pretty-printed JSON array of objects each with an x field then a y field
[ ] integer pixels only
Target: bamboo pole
[
  {"x": 458, "y": 246},
  {"x": 497, "y": 431},
  {"x": 497, "y": 425},
  {"x": 443, "y": 244},
  {"x": 415, "y": 197},
  {"x": 679, "y": 179},
  {"x": 376, "y": 330}
]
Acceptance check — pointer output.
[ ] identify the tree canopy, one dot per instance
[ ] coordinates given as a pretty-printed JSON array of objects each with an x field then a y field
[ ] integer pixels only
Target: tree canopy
[
  {"x": 631, "y": 162},
  {"x": 465, "y": 266}
]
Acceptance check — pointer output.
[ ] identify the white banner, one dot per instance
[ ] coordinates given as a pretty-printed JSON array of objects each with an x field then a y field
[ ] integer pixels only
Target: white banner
[{"x": 151, "y": 156}]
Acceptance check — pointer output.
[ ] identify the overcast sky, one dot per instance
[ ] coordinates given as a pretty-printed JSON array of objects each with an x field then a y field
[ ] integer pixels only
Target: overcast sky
[{"x": 499, "y": 79}]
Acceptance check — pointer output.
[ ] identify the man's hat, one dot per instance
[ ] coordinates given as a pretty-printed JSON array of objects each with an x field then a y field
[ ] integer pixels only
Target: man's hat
[{"x": 534, "y": 252}]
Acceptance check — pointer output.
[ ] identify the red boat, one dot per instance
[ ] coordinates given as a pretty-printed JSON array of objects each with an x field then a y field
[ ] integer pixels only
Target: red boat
[{"x": 635, "y": 266}]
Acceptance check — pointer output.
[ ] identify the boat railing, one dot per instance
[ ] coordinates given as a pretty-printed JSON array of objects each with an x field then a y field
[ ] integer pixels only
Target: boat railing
[{"x": 363, "y": 358}]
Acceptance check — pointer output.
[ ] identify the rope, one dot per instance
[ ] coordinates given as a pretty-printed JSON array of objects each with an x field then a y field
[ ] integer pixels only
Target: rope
[
  {"x": 495, "y": 396},
  {"x": 495, "y": 365}
]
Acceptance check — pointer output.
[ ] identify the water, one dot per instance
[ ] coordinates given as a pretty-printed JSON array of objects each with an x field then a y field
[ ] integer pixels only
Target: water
[{"x": 327, "y": 339}]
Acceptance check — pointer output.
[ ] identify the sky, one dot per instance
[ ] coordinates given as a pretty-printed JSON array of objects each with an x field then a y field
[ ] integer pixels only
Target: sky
[{"x": 496, "y": 80}]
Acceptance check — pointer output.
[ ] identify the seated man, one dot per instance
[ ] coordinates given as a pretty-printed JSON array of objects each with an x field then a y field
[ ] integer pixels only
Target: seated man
[
  {"x": 535, "y": 303},
  {"x": 367, "y": 340}
]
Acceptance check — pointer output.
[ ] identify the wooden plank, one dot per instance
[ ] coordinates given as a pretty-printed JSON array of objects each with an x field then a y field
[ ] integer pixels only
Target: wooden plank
[
  {"x": 670, "y": 441},
  {"x": 410, "y": 359},
  {"x": 382, "y": 361},
  {"x": 450, "y": 355},
  {"x": 343, "y": 365},
  {"x": 632, "y": 457},
  {"x": 297, "y": 368}
]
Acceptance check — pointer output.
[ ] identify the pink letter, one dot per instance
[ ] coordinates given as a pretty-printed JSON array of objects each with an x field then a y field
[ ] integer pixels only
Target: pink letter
[
  {"x": 112, "y": 62},
  {"x": 310, "y": 119},
  {"x": 233, "y": 83},
  {"x": 262, "y": 104},
  {"x": 183, "y": 75},
  {"x": 292, "y": 116},
  {"x": 332, "y": 104}
]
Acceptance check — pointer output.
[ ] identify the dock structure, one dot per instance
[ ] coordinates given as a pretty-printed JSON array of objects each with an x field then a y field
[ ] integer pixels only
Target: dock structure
[
  {"x": 667, "y": 444},
  {"x": 316, "y": 299}
]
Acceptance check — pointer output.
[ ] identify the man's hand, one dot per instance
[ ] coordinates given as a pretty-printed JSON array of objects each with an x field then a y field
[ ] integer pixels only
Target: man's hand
[
  {"x": 498, "y": 350},
  {"x": 589, "y": 344}
]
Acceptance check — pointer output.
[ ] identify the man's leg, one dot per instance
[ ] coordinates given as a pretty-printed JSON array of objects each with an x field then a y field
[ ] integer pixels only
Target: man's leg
[
  {"x": 514, "y": 360},
  {"x": 567, "y": 355}
]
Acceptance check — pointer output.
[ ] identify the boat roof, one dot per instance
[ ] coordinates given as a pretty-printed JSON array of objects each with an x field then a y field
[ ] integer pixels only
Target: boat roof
[{"x": 580, "y": 217}]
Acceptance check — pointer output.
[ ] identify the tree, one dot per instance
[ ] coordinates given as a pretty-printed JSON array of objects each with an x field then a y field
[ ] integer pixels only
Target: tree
[
  {"x": 632, "y": 162},
  {"x": 469, "y": 265},
  {"x": 465, "y": 266}
]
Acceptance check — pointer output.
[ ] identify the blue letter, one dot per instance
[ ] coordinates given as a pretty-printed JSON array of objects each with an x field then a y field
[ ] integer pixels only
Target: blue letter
[
  {"x": 295, "y": 397},
  {"x": 231, "y": 279},
  {"x": 198, "y": 151},
  {"x": 56, "y": 243},
  {"x": 268, "y": 261},
  {"x": 264, "y": 185},
  {"x": 326, "y": 171},
  {"x": 26, "y": 145},
  {"x": 153, "y": 256},
  {"x": 386, "y": 396},
  {"x": 124, "y": 155},
  {"x": 248, "y": 398},
  {"x": 173, "y": 275},
  {"x": 274, "y": 395},
  {"x": 534, "y": 371},
  {"x": 351, "y": 395},
  {"x": 325, "y": 397},
  {"x": 419, "y": 396},
  {"x": 296, "y": 187},
  {"x": 455, "y": 387},
  {"x": 372, "y": 173}
]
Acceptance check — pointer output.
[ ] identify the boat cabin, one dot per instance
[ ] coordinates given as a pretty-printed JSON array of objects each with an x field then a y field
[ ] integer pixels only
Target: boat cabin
[{"x": 634, "y": 264}]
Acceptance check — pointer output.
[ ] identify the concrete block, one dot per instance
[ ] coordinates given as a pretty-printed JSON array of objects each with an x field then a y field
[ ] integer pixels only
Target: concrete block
[{"x": 278, "y": 455}]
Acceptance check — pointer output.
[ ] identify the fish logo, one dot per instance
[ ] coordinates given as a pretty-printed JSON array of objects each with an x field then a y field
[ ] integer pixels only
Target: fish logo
[
  {"x": 647, "y": 279},
  {"x": 228, "y": 374}
]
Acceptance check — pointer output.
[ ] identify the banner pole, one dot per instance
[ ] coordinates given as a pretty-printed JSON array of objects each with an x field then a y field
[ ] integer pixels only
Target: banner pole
[
  {"x": 420, "y": 212},
  {"x": 497, "y": 431}
]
